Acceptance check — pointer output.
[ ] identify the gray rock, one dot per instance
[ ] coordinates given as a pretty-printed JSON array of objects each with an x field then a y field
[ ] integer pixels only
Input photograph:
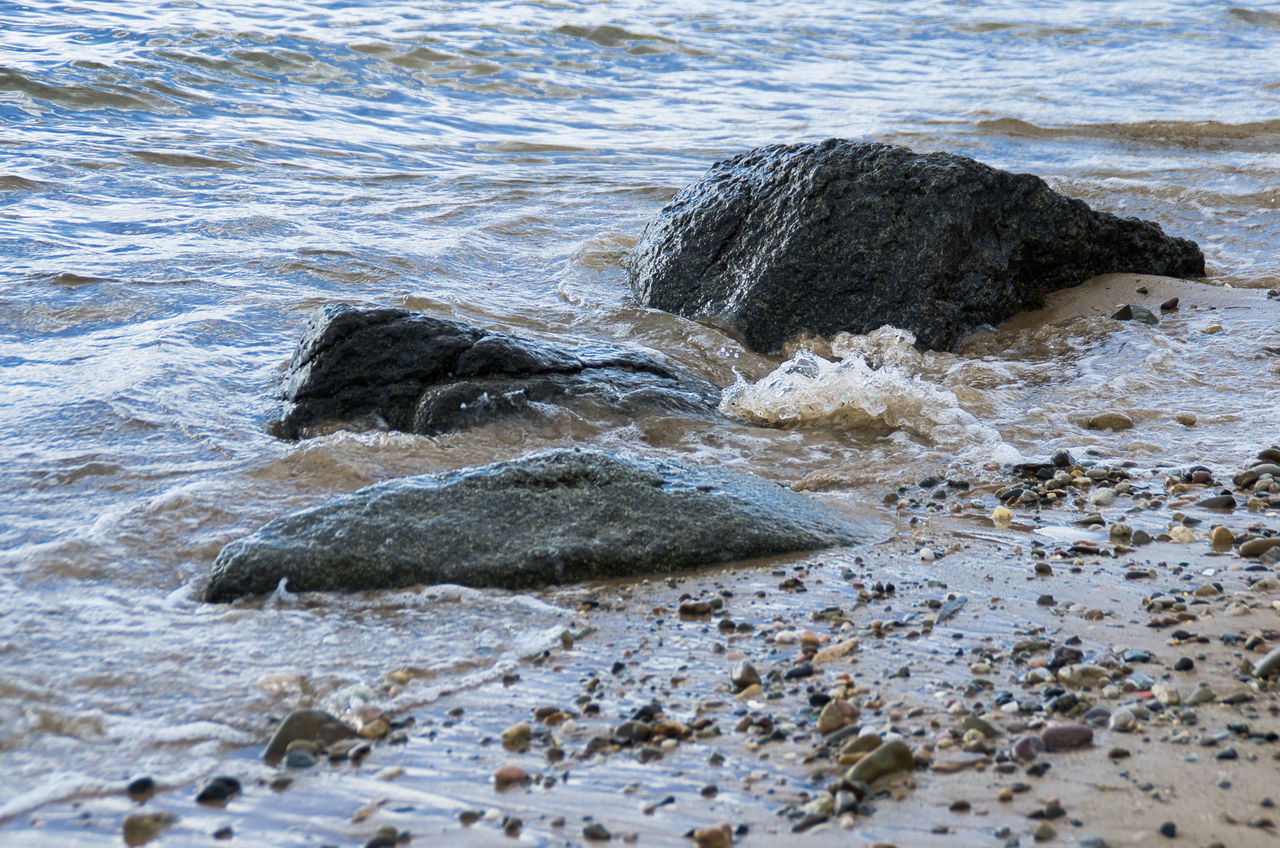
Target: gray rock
[
  {"x": 842, "y": 236},
  {"x": 888, "y": 758},
  {"x": 552, "y": 517},
  {"x": 1065, "y": 737},
  {"x": 1028, "y": 747},
  {"x": 1136, "y": 312},
  {"x": 413, "y": 372},
  {"x": 316, "y": 725},
  {"x": 1268, "y": 665}
]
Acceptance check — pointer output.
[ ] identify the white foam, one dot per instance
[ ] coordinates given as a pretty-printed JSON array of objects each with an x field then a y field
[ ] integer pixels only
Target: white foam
[{"x": 874, "y": 382}]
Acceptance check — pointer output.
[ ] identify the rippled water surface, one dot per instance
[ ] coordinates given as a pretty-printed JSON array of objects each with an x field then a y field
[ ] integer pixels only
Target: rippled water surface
[{"x": 181, "y": 183}]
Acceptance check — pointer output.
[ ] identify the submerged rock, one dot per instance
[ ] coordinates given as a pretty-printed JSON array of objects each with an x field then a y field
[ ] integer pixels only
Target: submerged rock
[
  {"x": 842, "y": 236},
  {"x": 413, "y": 372},
  {"x": 547, "y": 518}
]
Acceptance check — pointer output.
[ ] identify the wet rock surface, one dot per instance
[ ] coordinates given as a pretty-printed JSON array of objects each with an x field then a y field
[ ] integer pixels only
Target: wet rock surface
[
  {"x": 413, "y": 372},
  {"x": 547, "y": 518},
  {"x": 846, "y": 237}
]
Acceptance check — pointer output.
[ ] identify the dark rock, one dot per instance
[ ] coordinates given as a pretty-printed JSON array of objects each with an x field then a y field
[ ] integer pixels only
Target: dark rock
[
  {"x": 1136, "y": 312},
  {"x": 799, "y": 672},
  {"x": 413, "y": 372},
  {"x": 552, "y": 517},
  {"x": 842, "y": 236},
  {"x": 218, "y": 790},
  {"x": 141, "y": 788}
]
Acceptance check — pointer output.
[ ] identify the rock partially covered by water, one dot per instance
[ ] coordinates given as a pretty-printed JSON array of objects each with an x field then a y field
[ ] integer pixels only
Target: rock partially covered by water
[
  {"x": 846, "y": 237},
  {"x": 546, "y": 518},
  {"x": 413, "y": 372}
]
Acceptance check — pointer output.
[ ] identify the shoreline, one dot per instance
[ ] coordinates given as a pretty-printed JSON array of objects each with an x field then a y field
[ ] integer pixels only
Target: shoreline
[{"x": 866, "y": 620}]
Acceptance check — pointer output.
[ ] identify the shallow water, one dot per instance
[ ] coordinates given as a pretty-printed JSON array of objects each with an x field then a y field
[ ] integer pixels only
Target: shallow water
[{"x": 182, "y": 182}]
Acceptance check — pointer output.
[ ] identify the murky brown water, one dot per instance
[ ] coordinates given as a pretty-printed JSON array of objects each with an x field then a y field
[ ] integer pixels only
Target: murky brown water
[{"x": 182, "y": 182}]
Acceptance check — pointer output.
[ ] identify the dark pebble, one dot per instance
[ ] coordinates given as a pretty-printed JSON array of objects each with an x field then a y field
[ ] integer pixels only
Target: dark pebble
[
  {"x": 597, "y": 831},
  {"x": 218, "y": 790},
  {"x": 811, "y": 820},
  {"x": 140, "y": 789},
  {"x": 1037, "y": 769},
  {"x": 224, "y": 832},
  {"x": 1045, "y": 601},
  {"x": 960, "y": 806},
  {"x": 1227, "y": 754},
  {"x": 798, "y": 672},
  {"x": 1184, "y": 664},
  {"x": 1169, "y": 829}
]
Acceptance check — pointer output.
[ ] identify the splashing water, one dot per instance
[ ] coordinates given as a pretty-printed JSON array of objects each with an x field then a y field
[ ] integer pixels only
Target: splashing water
[{"x": 871, "y": 382}]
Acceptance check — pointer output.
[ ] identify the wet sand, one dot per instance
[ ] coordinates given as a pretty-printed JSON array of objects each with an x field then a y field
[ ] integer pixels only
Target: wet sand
[
  {"x": 628, "y": 646},
  {"x": 970, "y": 601}
]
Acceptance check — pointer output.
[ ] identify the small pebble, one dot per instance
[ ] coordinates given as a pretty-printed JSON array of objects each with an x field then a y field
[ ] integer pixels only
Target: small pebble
[
  {"x": 218, "y": 790},
  {"x": 1169, "y": 829},
  {"x": 507, "y": 775},
  {"x": 597, "y": 831}
]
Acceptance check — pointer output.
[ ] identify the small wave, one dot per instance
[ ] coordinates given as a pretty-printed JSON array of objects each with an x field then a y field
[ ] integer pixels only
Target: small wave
[
  {"x": 183, "y": 160},
  {"x": 1179, "y": 133},
  {"x": 873, "y": 382},
  {"x": 607, "y": 35},
  {"x": 1255, "y": 17},
  {"x": 13, "y": 182}
]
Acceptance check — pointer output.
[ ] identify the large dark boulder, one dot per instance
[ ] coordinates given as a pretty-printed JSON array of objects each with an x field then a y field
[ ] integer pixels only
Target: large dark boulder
[
  {"x": 547, "y": 518},
  {"x": 410, "y": 371},
  {"x": 841, "y": 236}
]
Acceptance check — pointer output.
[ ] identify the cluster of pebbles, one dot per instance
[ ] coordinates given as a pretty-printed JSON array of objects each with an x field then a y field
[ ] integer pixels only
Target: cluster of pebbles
[{"x": 819, "y": 690}]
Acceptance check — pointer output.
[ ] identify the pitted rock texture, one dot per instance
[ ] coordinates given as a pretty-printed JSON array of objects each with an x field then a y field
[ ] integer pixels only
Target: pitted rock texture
[
  {"x": 841, "y": 236},
  {"x": 410, "y": 371},
  {"x": 547, "y": 518}
]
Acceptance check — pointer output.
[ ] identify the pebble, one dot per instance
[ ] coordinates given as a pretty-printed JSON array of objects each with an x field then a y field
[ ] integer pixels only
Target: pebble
[
  {"x": 141, "y": 828},
  {"x": 831, "y": 718},
  {"x": 316, "y": 725},
  {"x": 1268, "y": 665},
  {"x": 508, "y": 775},
  {"x": 1066, "y": 737},
  {"x": 141, "y": 788},
  {"x": 1043, "y": 832},
  {"x": 517, "y": 737},
  {"x": 1258, "y": 546},
  {"x": 1181, "y": 535},
  {"x": 1109, "y": 421},
  {"x": 1028, "y": 747},
  {"x": 1002, "y": 516},
  {"x": 744, "y": 674},
  {"x": 1104, "y": 496},
  {"x": 596, "y": 831},
  {"x": 1169, "y": 830},
  {"x": 887, "y": 758},
  {"x": 719, "y": 836},
  {"x": 218, "y": 790},
  {"x": 299, "y": 758},
  {"x": 1136, "y": 312},
  {"x": 1221, "y": 537},
  {"x": 1123, "y": 721}
]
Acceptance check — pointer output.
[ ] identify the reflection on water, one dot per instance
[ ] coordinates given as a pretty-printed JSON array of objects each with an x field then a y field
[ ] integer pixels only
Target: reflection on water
[{"x": 181, "y": 183}]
